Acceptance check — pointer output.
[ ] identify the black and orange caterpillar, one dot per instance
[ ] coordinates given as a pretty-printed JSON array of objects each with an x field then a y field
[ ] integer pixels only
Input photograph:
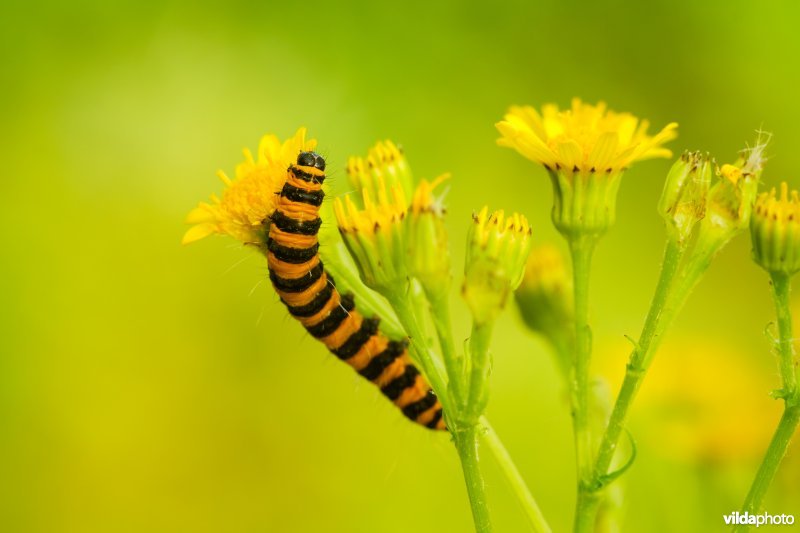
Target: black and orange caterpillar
[{"x": 310, "y": 294}]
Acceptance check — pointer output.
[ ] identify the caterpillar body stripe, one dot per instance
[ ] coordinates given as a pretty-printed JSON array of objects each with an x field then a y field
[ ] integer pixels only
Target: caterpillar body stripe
[{"x": 309, "y": 292}]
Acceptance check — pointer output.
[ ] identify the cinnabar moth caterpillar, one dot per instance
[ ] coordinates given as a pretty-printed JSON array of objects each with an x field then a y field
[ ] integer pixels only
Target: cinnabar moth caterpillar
[{"x": 310, "y": 294}]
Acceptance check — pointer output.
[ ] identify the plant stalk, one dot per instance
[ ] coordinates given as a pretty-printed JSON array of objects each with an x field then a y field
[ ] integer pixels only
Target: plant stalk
[
  {"x": 781, "y": 287},
  {"x": 534, "y": 515},
  {"x": 640, "y": 358},
  {"x": 581, "y": 248},
  {"x": 466, "y": 441}
]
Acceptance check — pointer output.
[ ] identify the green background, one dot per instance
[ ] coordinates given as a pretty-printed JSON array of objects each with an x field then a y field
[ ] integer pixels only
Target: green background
[{"x": 146, "y": 386}]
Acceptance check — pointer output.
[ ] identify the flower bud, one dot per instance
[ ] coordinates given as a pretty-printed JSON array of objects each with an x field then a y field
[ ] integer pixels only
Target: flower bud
[
  {"x": 375, "y": 236},
  {"x": 545, "y": 294},
  {"x": 386, "y": 163},
  {"x": 497, "y": 248},
  {"x": 730, "y": 199},
  {"x": 775, "y": 231},
  {"x": 683, "y": 201},
  {"x": 428, "y": 249}
]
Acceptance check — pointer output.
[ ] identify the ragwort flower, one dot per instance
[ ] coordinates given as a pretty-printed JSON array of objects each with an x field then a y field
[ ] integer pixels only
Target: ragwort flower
[
  {"x": 585, "y": 149},
  {"x": 249, "y": 199}
]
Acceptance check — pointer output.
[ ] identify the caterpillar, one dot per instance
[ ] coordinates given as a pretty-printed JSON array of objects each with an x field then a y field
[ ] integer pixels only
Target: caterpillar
[{"x": 309, "y": 293}]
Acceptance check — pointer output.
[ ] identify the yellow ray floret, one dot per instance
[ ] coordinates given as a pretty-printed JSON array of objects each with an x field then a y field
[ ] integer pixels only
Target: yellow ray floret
[
  {"x": 583, "y": 138},
  {"x": 249, "y": 198}
]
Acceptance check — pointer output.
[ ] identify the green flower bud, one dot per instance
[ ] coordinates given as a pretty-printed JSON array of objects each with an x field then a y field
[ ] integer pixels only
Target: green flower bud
[
  {"x": 497, "y": 248},
  {"x": 375, "y": 236},
  {"x": 775, "y": 231},
  {"x": 683, "y": 201},
  {"x": 730, "y": 199},
  {"x": 428, "y": 249}
]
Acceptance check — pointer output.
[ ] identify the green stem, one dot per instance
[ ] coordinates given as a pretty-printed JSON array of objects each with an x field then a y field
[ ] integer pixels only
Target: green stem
[
  {"x": 466, "y": 441},
  {"x": 423, "y": 353},
  {"x": 453, "y": 361},
  {"x": 480, "y": 366},
  {"x": 781, "y": 287},
  {"x": 659, "y": 316},
  {"x": 582, "y": 248},
  {"x": 514, "y": 478},
  {"x": 772, "y": 460},
  {"x": 639, "y": 358},
  {"x": 464, "y": 436}
]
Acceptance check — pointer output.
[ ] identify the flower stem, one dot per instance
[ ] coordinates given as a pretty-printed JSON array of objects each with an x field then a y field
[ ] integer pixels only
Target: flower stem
[
  {"x": 464, "y": 436},
  {"x": 655, "y": 324},
  {"x": 466, "y": 441},
  {"x": 772, "y": 460},
  {"x": 781, "y": 287},
  {"x": 480, "y": 366},
  {"x": 524, "y": 497},
  {"x": 659, "y": 316},
  {"x": 582, "y": 248},
  {"x": 453, "y": 361},
  {"x": 423, "y": 353}
]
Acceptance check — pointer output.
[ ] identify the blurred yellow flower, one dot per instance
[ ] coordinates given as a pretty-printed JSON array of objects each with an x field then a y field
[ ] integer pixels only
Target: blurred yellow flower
[
  {"x": 584, "y": 138},
  {"x": 685, "y": 416},
  {"x": 249, "y": 198}
]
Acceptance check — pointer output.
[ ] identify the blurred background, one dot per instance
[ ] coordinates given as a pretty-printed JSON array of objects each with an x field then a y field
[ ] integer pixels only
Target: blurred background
[{"x": 146, "y": 386}]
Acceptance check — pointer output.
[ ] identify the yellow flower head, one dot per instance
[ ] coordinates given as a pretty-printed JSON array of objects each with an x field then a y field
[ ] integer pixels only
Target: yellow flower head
[
  {"x": 249, "y": 198},
  {"x": 374, "y": 235},
  {"x": 584, "y": 138},
  {"x": 775, "y": 230},
  {"x": 497, "y": 249}
]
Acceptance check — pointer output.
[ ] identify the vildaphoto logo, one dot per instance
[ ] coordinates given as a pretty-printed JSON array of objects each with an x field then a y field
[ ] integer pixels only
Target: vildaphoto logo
[{"x": 747, "y": 519}]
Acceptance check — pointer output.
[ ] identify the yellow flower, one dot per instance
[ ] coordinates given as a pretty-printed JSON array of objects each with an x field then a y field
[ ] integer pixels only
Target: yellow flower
[
  {"x": 584, "y": 138},
  {"x": 775, "y": 230},
  {"x": 585, "y": 149},
  {"x": 249, "y": 198}
]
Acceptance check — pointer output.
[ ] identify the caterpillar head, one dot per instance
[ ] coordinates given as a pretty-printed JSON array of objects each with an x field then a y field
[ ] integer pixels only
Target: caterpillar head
[{"x": 311, "y": 160}]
